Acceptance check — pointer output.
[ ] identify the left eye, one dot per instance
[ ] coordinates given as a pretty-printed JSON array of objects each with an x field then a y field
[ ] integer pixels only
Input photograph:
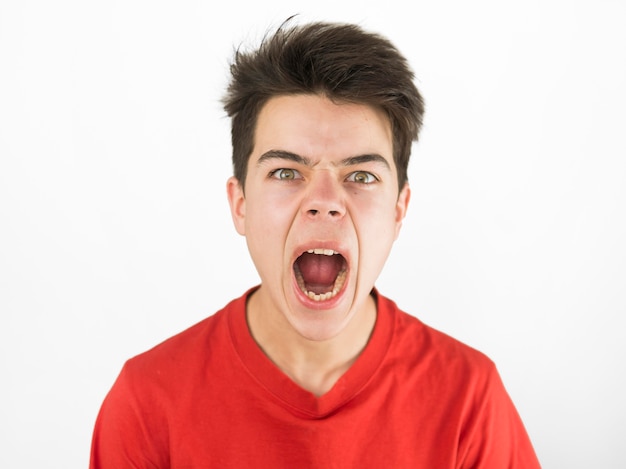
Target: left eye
[
  {"x": 361, "y": 177},
  {"x": 285, "y": 174}
]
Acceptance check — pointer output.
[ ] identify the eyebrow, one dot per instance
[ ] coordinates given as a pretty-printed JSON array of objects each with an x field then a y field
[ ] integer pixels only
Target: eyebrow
[{"x": 303, "y": 160}]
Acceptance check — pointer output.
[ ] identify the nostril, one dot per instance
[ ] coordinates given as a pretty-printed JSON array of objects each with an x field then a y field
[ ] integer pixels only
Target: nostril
[{"x": 331, "y": 213}]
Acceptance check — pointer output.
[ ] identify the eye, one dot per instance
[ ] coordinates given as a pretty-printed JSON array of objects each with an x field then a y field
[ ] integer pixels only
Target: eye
[
  {"x": 361, "y": 177},
  {"x": 285, "y": 174}
]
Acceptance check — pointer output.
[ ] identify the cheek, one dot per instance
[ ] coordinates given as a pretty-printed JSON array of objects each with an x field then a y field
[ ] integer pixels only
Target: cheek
[
  {"x": 375, "y": 225},
  {"x": 268, "y": 220},
  {"x": 374, "y": 215}
]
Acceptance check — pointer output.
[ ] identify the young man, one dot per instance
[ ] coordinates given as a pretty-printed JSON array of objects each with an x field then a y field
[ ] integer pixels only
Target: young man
[{"x": 314, "y": 367}]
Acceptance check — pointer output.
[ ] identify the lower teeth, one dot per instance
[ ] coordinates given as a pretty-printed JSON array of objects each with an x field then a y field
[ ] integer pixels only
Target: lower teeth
[{"x": 339, "y": 281}]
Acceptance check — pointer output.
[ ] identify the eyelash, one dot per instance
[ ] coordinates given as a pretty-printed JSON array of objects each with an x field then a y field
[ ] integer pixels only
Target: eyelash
[{"x": 278, "y": 174}]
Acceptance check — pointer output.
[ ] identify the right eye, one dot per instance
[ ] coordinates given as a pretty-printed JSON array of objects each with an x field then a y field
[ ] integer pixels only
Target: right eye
[{"x": 285, "y": 174}]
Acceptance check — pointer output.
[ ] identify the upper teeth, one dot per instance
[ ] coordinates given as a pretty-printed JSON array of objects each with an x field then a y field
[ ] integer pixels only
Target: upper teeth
[{"x": 326, "y": 252}]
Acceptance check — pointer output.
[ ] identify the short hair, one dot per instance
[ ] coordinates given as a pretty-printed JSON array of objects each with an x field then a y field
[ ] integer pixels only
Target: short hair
[{"x": 340, "y": 61}]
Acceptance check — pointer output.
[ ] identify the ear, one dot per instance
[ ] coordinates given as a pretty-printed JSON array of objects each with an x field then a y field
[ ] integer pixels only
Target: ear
[
  {"x": 402, "y": 206},
  {"x": 237, "y": 201}
]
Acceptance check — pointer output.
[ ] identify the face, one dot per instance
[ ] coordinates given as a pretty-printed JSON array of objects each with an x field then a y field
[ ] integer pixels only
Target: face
[{"x": 320, "y": 210}]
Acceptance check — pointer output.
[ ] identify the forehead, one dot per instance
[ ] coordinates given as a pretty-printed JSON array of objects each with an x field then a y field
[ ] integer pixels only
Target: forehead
[{"x": 315, "y": 127}]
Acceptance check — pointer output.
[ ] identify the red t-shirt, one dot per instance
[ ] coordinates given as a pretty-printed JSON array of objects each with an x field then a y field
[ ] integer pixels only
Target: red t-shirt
[{"x": 209, "y": 398}]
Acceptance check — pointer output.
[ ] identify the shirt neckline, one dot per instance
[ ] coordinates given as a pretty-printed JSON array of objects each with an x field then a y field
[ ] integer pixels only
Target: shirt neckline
[{"x": 289, "y": 394}]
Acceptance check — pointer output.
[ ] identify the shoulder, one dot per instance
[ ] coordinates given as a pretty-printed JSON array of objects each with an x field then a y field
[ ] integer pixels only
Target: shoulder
[
  {"x": 189, "y": 350},
  {"x": 420, "y": 345}
]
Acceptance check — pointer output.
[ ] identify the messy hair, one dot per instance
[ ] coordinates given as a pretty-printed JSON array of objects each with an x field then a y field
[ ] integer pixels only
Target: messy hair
[{"x": 340, "y": 61}]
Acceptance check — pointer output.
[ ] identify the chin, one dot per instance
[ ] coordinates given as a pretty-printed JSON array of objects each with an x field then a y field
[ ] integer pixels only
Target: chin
[{"x": 321, "y": 320}]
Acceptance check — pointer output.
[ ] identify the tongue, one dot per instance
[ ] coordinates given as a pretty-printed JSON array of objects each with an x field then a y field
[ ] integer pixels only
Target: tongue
[{"x": 319, "y": 270}]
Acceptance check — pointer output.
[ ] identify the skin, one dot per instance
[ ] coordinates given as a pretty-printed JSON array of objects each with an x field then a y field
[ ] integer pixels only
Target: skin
[{"x": 321, "y": 175}]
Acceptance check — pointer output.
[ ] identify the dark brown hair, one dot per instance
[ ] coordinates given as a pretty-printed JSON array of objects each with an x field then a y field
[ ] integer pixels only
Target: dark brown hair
[{"x": 340, "y": 61}]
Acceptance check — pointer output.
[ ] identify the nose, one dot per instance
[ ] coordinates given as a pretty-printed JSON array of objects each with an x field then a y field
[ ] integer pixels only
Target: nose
[{"x": 324, "y": 198}]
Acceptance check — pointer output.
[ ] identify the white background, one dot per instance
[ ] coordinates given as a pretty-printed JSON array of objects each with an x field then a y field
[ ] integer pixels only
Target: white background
[{"x": 115, "y": 234}]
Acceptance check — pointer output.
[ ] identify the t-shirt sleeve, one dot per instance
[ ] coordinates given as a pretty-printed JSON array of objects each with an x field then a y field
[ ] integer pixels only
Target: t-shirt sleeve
[
  {"x": 494, "y": 435},
  {"x": 129, "y": 431}
]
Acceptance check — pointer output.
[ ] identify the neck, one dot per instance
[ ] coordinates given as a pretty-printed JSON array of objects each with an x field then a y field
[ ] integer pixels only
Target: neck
[{"x": 314, "y": 365}]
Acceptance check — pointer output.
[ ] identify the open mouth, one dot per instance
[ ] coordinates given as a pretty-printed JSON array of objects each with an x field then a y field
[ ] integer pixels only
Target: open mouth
[{"x": 320, "y": 273}]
